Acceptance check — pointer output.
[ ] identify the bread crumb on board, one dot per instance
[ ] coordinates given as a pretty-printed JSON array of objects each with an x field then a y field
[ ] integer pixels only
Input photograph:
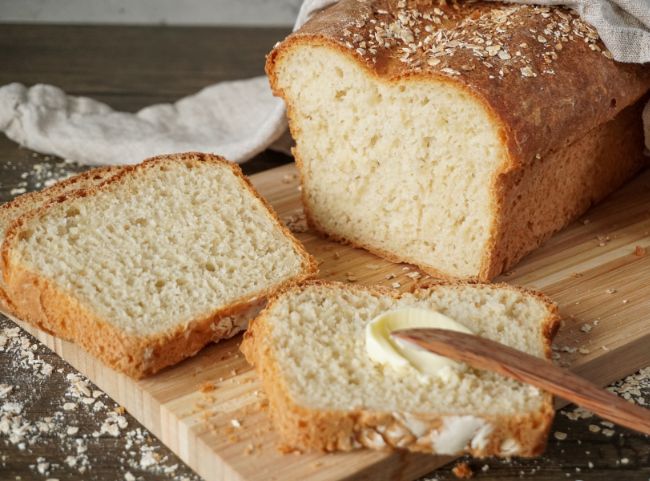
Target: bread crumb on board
[
  {"x": 462, "y": 470},
  {"x": 207, "y": 387}
]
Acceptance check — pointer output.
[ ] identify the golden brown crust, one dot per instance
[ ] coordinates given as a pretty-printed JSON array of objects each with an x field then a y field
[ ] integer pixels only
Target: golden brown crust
[
  {"x": 302, "y": 428},
  {"x": 552, "y": 191},
  {"x": 32, "y": 200},
  {"x": 38, "y": 300},
  {"x": 576, "y": 97},
  {"x": 575, "y": 88}
]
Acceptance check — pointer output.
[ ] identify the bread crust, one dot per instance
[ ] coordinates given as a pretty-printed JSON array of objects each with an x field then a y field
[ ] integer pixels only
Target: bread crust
[
  {"x": 8, "y": 211},
  {"x": 553, "y": 118},
  {"x": 305, "y": 429},
  {"x": 39, "y": 301}
]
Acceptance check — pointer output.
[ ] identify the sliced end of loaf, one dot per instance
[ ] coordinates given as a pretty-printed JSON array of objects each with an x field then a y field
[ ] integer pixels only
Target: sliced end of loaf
[
  {"x": 326, "y": 394},
  {"x": 419, "y": 156},
  {"x": 147, "y": 268}
]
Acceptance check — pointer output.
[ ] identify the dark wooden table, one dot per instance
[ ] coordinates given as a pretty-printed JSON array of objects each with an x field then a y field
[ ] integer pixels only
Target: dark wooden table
[{"x": 129, "y": 68}]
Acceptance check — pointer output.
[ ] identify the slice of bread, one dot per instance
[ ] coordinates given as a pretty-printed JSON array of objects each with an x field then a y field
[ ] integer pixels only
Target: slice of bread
[
  {"x": 327, "y": 394},
  {"x": 10, "y": 211},
  {"x": 147, "y": 268}
]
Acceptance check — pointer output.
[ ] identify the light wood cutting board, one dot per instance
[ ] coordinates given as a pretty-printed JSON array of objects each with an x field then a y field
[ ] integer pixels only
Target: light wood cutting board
[{"x": 595, "y": 270}]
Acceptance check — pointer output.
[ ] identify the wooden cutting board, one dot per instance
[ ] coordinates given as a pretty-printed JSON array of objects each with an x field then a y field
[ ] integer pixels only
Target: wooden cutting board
[{"x": 595, "y": 269}]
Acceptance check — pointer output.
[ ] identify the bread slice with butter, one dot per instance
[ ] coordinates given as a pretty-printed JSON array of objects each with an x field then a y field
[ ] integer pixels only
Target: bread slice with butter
[
  {"x": 328, "y": 392},
  {"x": 152, "y": 265}
]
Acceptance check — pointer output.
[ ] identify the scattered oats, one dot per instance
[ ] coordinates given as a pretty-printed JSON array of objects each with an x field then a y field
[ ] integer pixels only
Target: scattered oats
[
  {"x": 297, "y": 223},
  {"x": 541, "y": 39},
  {"x": 625, "y": 460},
  {"x": 602, "y": 240},
  {"x": 493, "y": 50},
  {"x": 72, "y": 430},
  {"x": 148, "y": 459},
  {"x": 12, "y": 332},
  {"x": 18, "y": 191},
  {"x": 594, "y": 428},
  {"x": 559, "y": 435},
  {"x": 43, "y": 466},
  {"x": 235, "y": 423},
  {"x": 4, "y": 390},
  {"x": 449, "y": 71},
  {"x": 578, "y": 413},
  {"x": 527, "y": 72},
  {"x": 607, "y": 424},
  {"x": 590, "y": 465},
  {"x": 586, "y": 328},
  {"x": 110, "y": 429},
  {"x": 583, "y": 350},
  {"x": 609, "y": 432},
  {"x": 396, "y": 285},
  {"x": 128, "y": 476},
  {"x": 610, "y": 291},
  {"x": 414, "y": 275},
  {"x": 69, "y": 407}
]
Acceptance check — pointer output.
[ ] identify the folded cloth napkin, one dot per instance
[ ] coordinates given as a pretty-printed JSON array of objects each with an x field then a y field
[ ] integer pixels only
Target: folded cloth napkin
[{"x": 235, "y": 119}]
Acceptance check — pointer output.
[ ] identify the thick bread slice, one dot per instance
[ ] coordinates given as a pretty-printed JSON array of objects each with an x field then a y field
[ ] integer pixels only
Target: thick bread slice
[
  {"x": 326, "y": 394},
  {"x": 147, "y": 268},
  {"x": 10, "y": 211},
  {"x": 456, "y": 137}
]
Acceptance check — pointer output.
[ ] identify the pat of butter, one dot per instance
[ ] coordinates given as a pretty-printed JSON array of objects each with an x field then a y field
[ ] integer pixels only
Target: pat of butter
[{"x": 383, "y": 349}]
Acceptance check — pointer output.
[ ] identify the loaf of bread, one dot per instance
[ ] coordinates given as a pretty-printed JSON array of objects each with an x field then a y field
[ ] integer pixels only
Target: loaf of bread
[
  {"x": 456, "y": 136},
  {"x": 326, "y": 393},
  {"x": 10, "y": 211},
  {"x": 150, "y": 266}
]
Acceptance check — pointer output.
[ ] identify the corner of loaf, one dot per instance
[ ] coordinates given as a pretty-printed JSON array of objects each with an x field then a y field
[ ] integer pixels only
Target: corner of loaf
[{"x": 456, "y": 139}]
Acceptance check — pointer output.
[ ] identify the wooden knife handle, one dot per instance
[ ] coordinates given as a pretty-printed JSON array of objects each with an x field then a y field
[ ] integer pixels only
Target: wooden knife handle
[{"x": 483, "y": 353}]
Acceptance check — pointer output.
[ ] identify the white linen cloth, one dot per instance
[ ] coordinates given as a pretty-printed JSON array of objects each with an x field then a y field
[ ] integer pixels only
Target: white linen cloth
[{"x": 235, "y": 119}]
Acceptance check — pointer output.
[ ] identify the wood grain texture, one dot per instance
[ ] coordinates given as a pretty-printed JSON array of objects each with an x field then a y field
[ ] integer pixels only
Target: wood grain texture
[
  {"x": 486, "y": 354},
  {"x": 587, "y": 274}
]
